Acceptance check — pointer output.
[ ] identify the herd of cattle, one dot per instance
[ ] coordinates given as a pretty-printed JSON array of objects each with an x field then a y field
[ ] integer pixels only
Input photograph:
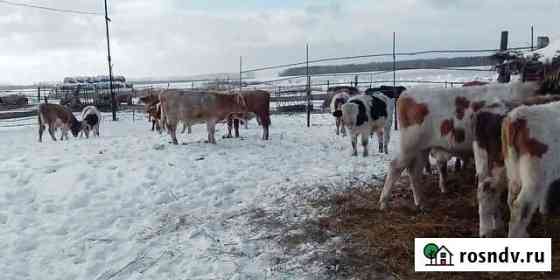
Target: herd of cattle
[{"x": 512, "y": 132}]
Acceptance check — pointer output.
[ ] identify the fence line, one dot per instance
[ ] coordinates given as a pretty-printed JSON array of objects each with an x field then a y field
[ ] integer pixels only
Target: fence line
[{"x": 263, "y": 68}]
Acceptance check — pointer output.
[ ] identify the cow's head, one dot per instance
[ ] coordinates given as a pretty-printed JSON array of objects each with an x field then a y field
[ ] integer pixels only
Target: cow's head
[
  {"x": 492, "y": 205},
  {"x": 337, "y": 113},
  {"x": 86, "y": 128},
  {"x": 76, "y": 127}
]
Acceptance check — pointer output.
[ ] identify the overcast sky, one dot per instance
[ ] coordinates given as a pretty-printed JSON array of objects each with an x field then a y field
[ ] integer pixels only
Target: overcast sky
[{"x": 179, "y": 37}]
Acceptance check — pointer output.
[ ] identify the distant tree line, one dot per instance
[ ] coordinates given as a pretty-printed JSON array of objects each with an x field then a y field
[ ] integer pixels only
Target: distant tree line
[{"x": 387, "y": 66}]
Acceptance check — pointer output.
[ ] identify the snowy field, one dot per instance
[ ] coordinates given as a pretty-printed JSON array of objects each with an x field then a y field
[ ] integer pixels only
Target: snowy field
[{"x": 129, "y": 205}]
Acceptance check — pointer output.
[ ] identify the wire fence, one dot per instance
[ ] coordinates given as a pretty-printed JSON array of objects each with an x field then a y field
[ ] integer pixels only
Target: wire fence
[{"x": 293, "y": 92}]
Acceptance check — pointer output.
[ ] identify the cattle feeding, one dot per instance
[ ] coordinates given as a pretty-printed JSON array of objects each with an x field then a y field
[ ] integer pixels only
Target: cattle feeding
[
  {"x": 91, "y": 120},
  {"x": 57, "y": 116},
  {"x": 198, "y": 107},
  {"x": 441, "y": 118},
  {"x": 489, "y": 161},
  {"x": 363, "y": 115}
]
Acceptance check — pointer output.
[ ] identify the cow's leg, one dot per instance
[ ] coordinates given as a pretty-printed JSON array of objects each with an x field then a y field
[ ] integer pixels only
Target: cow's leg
[
  {"x": 211, "y": 127},
  {"x": 380, "y": 141},
  {"x": 354, "y": 140},
  {"x": 365, "y": 140},
  {"x": 229, "y": 127},
  {"x": 189, "y": 129},
  {"x": 521, "y": 212},
  {"x": 153, "y": 125},
  {"x": 442, "y": 168},
  {"x": 342, "y": 128},
  {"x": 386, "y": 137},
  {"x": 246, "y": 123},
  {"x": 97, "y": 130},
  {"x": 63, "y": 133},
  {"x": 51, "y": 132},
  {"x": 184, "y": 128},
  {"x": 265, "y": 132},
  {"x": 337, "y": 120},
  {"x": 396, "y": 168},
  {"x": 236, "y": 127},
  {"x": 172, "y": 129},
  {"x": 530, "y": 197},
  {"x": 415, "y": 173},
  {"x": 41, "y": 130}
]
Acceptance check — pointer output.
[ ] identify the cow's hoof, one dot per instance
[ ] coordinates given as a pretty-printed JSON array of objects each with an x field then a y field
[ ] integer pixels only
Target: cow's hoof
[{"x": 354, "y": 154}]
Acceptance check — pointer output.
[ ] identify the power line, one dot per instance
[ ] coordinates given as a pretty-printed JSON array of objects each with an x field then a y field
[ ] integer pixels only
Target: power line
[{"x": 68, "y": 11}]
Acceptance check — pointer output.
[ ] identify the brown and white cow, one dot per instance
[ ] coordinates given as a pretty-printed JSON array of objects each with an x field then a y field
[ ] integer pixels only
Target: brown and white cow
[
  {"x": 440, "y": 119},
  {"x": 153, "y": 109},
  {"x": 532, "y": 157},
  {"x": 57, "y": 116},
  {"x": 489, "y": 161},
  {"x": 198, "y": 107},
  {"x": 258, "y": 102}
]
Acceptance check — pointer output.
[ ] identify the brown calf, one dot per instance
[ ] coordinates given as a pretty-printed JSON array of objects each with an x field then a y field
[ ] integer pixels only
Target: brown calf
[
  {"x": 258, "y": 102},
  {"x": 57, "y": 116},
  {"x": 198, "y": 107}
]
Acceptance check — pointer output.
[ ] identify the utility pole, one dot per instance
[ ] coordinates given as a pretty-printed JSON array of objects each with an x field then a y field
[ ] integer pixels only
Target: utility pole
[
  {"x": 395, "y": 77},
  {"x": 240, "y": 73},
  {"x": 308, "y": 86},
  {"x": 532, "y": 38},
  {"x": 113, "y": 99}
]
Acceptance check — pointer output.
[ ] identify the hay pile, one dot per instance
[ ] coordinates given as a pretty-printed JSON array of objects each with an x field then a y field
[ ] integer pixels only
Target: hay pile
[{"x": 383, "y": 241}]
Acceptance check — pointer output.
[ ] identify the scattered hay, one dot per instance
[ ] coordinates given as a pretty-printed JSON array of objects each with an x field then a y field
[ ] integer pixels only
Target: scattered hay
[{"x": 383, "y": 241}]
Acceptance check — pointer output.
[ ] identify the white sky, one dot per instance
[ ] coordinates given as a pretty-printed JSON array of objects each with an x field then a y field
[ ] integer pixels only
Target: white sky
[{"x": 180, "y": 38}]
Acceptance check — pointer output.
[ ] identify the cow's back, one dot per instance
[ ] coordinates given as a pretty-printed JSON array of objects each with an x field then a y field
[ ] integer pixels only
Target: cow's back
[
  {"x": 445, "y": 115},
  {"x": 188, "y": 106}
]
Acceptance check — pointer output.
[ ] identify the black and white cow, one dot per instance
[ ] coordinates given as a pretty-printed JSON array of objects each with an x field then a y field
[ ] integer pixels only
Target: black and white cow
[
  {"x": 91, "y": 118},
  {"x": 365, "y": 114}
]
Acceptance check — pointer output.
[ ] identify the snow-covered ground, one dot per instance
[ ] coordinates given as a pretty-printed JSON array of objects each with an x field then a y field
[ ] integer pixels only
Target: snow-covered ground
[{"x": 129, "y": 205}]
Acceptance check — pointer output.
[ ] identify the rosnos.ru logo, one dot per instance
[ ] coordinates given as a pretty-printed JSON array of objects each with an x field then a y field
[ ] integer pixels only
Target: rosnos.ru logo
[{"x": 438, "y": 255}]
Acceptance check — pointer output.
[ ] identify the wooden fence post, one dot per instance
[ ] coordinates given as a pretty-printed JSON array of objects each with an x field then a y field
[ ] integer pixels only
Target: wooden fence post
[{"x": 38, "y": 95}]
